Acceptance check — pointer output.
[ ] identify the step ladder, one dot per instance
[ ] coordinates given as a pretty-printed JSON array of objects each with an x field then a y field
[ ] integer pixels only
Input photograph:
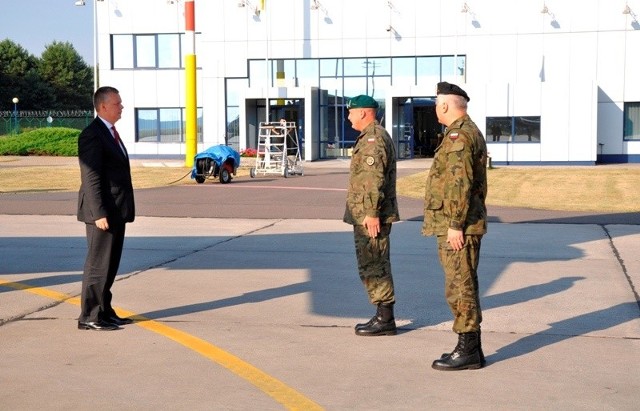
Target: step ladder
[{"x": 278, "y": 150}]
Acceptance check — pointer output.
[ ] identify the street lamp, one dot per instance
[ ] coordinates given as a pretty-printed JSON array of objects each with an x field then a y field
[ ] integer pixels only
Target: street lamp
[
  {"x": 15, "y": 114},
  {"x": 95, "y": 40}
]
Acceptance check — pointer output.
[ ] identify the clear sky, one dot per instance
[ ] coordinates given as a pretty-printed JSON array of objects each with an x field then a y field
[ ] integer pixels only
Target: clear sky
[{"x": 33, "y": 24}]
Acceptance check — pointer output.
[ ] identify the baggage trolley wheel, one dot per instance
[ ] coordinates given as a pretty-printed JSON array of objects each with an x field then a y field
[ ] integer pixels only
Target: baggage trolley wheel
[
  {"x": 225, "y": 174},
  {"x": 202, "y": 166}
]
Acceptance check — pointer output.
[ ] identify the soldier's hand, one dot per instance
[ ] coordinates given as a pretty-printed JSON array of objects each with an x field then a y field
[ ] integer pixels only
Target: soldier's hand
[
  {"x": 372, "y": 224},
  {"x": 455, "y": 238}
]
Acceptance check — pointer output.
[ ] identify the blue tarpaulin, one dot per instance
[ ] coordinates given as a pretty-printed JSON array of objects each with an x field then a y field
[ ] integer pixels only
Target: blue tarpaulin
[{"x": 219, "y": 154}]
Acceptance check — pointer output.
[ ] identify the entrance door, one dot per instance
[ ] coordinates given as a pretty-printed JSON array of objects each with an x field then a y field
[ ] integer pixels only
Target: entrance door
[
  {"x": 426, "y": 128},
  {"x": 418, "y": 127},
  {"x": 291, "y": 110}
]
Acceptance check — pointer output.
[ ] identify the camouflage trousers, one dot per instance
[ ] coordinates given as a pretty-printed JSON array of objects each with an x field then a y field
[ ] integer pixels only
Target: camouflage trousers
[
  {"x": 374, "y": 264},
  {"x": 461, "y": 282}
]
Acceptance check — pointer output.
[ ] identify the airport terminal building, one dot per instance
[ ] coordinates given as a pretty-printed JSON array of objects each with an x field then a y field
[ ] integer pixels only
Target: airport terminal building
[{"x": 551, "y": 82}]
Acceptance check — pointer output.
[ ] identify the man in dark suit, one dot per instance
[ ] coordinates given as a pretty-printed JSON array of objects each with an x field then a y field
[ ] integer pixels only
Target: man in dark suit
[{"x": 105, "y": 205}]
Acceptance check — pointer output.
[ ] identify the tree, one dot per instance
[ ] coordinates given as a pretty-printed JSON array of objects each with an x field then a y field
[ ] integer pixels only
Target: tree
[
  {"x": 66, "y": 73},
  {"x": 15, "y": 66}
]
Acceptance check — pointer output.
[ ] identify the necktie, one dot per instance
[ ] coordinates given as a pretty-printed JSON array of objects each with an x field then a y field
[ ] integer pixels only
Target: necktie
[{"x": 116, "y": 136}]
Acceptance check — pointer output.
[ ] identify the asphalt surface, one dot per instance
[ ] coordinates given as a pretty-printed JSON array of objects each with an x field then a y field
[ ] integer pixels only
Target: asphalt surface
[{"x": 245, "y": 296}]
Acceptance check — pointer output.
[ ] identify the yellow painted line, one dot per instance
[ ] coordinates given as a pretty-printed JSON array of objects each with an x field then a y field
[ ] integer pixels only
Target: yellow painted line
[{"x": 276, "y": 389}]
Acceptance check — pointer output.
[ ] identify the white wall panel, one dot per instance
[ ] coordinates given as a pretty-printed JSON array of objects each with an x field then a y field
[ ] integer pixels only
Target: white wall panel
[
  {"x": 401, "y": 46},
  {"x": 583, "y": 58},
  {"x": 582, "y": 136},
  {"x": 557, "y": 58},
  {"x": 528, "y": 62},
  {"x": 498, "y": 97},
  {"x": 609, "y": 16},
  {"x": 611, "y": 63},
  {"x": 610, "y": 125},
  {"x": 501, "y": 59},
  {"x": 526, "y": 98},
  {"x": 631, "y": 147},
  {"x": 524, "y": 152},
  {"x": 330, "y": 48},
  {"x": 554, "y": 127},
  {"x": 632, "y": 66},
  {"x": 427, "y": 15}
]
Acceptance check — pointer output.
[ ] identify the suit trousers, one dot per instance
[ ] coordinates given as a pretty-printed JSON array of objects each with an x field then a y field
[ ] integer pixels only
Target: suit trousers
[{"x": 100, "y": 269}]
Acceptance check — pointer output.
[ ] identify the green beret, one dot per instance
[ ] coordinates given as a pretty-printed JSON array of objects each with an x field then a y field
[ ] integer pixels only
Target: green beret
[
  {"x": 447, "y": 88},
  {"x": 362, "y": 101}
]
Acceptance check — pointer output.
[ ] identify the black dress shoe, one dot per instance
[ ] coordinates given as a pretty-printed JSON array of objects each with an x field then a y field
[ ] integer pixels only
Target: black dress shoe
[
  {"x": 114, "y": 319},
  {"x": 97, "y": 326}
]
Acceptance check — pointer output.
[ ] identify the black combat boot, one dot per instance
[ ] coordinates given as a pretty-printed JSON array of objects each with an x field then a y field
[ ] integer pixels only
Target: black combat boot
[
  {"x": 466, "y": 355},
  {"x": 482, "y": 359},
  {"x": 382, "y": 323}
]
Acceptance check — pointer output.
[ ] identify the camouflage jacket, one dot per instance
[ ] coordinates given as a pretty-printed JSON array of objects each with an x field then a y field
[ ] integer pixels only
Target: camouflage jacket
[
  {"x": 457, "y": 182},
  {"x": 372, "y": 180}
]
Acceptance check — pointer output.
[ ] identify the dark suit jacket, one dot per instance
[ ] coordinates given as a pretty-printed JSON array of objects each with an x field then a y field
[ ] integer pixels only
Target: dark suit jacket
[{"x": 106, "y": 189}]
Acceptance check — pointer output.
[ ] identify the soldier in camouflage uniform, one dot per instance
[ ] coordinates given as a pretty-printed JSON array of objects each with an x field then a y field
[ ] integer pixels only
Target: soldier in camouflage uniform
[
  {"x": 455, "y": 212},
  {"x": 371, "y": 208}
]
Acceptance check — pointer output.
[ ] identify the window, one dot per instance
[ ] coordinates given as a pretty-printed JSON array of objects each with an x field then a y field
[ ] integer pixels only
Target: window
[
  {"x": 122, "y": 46},
  {"x": 163, "y": 125},
  {"x": 307, "y": 72},
  {"x": 404, "y": 71},
  {"x": 160, "y": 51},
  {"x": 168, "y": 51},
  {"x": 428, "y": 72},
  {"x": 513, "y": 129},
  {"x": 145, "y": 47},
  {"x": 632, "y": 121}
]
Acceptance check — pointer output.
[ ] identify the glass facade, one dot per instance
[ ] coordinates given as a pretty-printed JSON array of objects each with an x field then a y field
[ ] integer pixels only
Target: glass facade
[{"x": 340, "y": 79}]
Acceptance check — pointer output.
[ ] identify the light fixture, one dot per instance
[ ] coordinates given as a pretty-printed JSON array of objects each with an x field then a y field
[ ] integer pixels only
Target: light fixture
[
  {"x": 95, "y": 40},
  {"x": 545, "y": 10},
  {"x": 554, "y": 21},
  {"x": 245, "y": 3},
  {"x": 467, "y": 10},
  {"x": 627, "y": 10},
  {"x": 316, "y": 5}
]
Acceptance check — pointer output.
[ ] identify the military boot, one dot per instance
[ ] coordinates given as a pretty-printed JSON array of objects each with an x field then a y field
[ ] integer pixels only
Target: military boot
[
  {"x": 383, "y": 323},
  {"x": 466, "y": 355},
  {"x": 482, "y": 359}
]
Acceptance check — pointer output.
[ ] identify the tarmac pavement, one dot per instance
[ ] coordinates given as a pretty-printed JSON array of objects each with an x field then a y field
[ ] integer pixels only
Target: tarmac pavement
[{"x": 245, "y": 296}]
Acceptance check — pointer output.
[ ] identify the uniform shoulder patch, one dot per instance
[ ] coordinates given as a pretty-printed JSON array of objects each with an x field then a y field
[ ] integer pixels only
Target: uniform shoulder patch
[
  {"x": 453, "y": 136},
  {"x": 370, "y": 161}
]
